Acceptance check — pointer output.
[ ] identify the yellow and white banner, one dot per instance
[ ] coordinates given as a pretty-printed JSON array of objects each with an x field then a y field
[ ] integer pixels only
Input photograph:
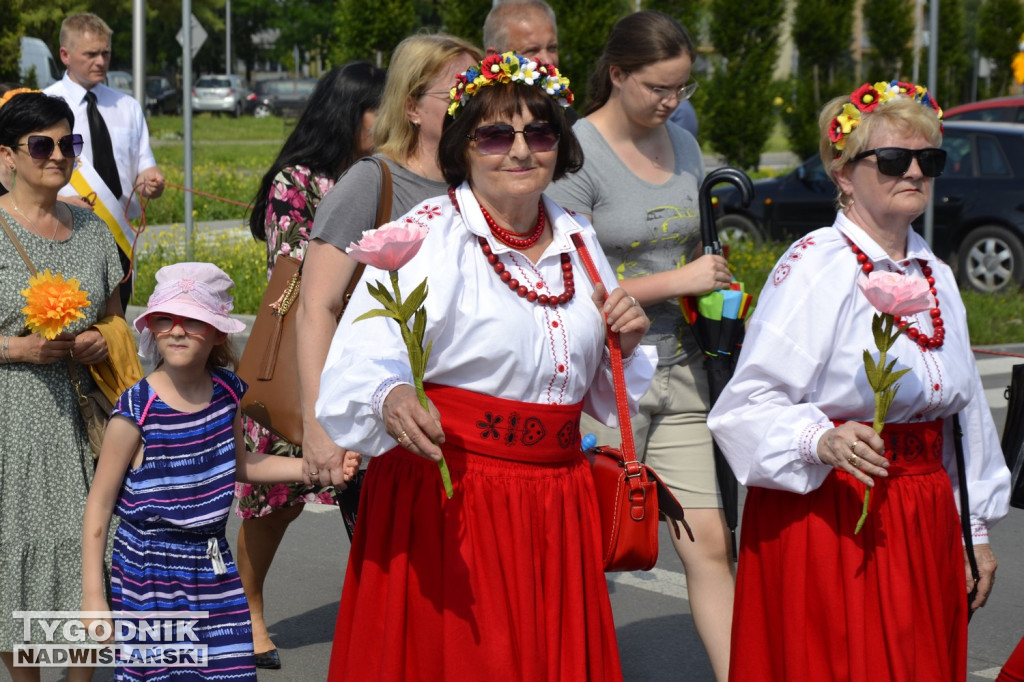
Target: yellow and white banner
[{"x": 88, "y": 184}]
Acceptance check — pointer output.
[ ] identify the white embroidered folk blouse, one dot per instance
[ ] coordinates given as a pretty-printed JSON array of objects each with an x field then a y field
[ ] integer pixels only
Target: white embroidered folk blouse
[
  {"x": 485, "y": 337},
  {"x": 802, "y": 366}
]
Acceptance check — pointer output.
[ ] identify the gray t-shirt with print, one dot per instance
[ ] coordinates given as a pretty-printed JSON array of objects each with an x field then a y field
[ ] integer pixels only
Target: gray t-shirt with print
[
  {"x": 644, "y": 228},
  {"x": 350, "y": 207}
]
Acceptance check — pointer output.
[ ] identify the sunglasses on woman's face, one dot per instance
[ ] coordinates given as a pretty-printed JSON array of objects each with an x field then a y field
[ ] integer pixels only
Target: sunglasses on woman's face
[
  {"x": 41, "y": 146},
  {"x": 163, "y": 324},
  {"x": 895, "y": 161},
  {"x": 498, "y": 138}
]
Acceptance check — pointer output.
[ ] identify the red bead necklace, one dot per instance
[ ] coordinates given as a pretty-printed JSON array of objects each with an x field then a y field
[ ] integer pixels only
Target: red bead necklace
[
  {"x": 923, "y": 340},
  {"x": 514, "y": 239},
  {"x": 524, "y": 291}
]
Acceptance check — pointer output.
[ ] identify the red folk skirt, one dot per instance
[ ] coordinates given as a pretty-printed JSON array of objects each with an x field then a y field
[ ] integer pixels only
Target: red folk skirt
[
  {"x": 815, "y": 602},
  {"x": 504, "y": 581}
]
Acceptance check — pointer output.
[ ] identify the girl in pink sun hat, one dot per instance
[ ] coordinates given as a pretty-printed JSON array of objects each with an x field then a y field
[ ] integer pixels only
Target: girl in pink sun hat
[{"x": 172, "y": 450}]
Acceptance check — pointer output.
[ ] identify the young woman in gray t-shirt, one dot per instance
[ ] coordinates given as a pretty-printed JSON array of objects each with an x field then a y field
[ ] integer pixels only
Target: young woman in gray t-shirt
[{"x": 639, "y": 187}]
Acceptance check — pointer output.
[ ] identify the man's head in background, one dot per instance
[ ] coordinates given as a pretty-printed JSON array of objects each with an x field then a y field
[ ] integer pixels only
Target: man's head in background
[{"x": 527, "y": 27}]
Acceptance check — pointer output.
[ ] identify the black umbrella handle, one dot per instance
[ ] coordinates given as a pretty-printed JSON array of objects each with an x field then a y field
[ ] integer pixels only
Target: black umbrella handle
[{"x": 734, "y": 176}]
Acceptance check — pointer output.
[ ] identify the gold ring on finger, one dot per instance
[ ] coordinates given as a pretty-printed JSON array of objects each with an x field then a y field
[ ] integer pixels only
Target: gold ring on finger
[
  {"x": 853, "y": 459},
  {"x": 853, "y": 446}
]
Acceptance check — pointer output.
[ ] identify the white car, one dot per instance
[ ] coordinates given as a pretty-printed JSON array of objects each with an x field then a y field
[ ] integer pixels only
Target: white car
[{"x": 224, "y": 94}]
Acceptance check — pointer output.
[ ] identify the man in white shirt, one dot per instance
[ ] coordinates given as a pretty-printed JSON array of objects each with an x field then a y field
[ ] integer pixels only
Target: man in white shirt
[{"x": 117, "y": 156}]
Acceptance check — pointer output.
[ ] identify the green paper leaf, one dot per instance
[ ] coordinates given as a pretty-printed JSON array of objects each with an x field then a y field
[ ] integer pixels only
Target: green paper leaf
[
  {"x": 376, "y": 312},
  {"x": 415, "y": 300}
]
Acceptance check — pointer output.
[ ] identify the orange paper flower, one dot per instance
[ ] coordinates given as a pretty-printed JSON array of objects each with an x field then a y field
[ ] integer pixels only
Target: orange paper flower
[{"x": 52, "y": 303}]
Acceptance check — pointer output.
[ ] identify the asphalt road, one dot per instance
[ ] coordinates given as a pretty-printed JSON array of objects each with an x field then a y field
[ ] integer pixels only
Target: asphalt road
[{"x": 657, "y": 638}]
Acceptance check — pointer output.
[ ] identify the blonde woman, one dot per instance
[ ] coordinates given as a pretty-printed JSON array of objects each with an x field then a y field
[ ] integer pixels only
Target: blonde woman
[{"x": 406, "y": 135}]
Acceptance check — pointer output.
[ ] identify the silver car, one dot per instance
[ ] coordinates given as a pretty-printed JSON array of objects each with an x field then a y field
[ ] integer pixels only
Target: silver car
[{"x": 220, "y": 94}]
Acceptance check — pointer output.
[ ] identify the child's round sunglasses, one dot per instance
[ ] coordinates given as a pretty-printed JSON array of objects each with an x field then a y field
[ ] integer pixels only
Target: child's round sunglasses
[
  {"x": 41, "y": 146},
  {"x": 163, "y": 323},
  {"x": 895, "y": 161},
  {"x": 498, "y": 138}
]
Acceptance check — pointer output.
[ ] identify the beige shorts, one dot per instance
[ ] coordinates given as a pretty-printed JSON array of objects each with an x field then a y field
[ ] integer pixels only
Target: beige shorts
[{"x": 672, "y": 435}]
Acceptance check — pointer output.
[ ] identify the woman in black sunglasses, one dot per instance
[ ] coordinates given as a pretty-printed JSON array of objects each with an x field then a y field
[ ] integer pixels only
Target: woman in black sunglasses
[
  {"x": 44, "y": 446},
  {"x": 818, "y": 596},
  {"x": 504, "y": 580}
]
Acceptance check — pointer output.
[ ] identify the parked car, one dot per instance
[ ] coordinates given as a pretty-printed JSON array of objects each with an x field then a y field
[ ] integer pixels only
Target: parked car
[
  {"x": 1000, "y": 109},
  {"x": 35, "y": 64},
  {"x": 161, "y": 96},
  {"x": 121, "y": 81},
  {"x": 285, "y": 96},
  {"x": 978, "y": 200},
  {"x": 224, "y": 94}
]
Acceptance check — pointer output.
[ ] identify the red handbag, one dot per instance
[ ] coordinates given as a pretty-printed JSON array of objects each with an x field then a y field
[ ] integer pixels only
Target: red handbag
[{"x": 630, "y": 496}]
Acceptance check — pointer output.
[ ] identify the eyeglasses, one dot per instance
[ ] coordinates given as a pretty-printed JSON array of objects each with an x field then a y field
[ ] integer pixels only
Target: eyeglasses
[
  {"x": 163, "y": 324},
  {"x": 895, "y": 161},
  {"x": 498, "y": 138},
  {"x": 681, "y": 94},
  {"x": 446, "y": 94},
  {"x": 41, "y": 147}
]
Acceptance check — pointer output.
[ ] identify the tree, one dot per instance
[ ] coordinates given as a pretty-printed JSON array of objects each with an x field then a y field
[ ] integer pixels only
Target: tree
[
  {"x": 746, "y": 35},
  {"x": 370, "y": 29},
  {"x": 953, "y": 82},
  {"x": 999, "y": 27},
  {"x": 10, "y": 49},
  {"x": 889, "y": 25},
  {"x": 465, "y": 18},
  {"x": 822, "y": 33}
]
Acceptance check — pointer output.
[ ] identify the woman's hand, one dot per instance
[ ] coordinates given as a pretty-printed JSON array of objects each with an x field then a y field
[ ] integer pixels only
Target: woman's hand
[
  {"x": 987, "y": 565},
  {"x": 98, "y": 604},
  {"x": 415, "y": 429},
  {"x": 323, "y": 462},
  {"x": 40, "y": 351},
  {"x": 855, "y": 448},
  {"x": 708, "y": 273},
  {"x": 90, "y": 347},
  {"x": 624, "y": 316}
]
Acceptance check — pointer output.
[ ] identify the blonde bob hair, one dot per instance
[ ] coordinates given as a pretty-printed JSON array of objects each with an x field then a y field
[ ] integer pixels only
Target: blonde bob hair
[
  {"x": 417, "y": 61},
  {"x": 903, "y": 114}
]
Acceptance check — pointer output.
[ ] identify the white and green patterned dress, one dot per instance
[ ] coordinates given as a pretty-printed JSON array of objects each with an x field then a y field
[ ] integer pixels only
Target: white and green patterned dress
[{"x": 46, "y": 466}]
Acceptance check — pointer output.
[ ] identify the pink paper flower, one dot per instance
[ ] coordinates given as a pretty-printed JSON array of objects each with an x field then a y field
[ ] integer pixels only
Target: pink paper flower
[
  {"x": 390, "y": 246},
  {"x": 896, "y": 294}
]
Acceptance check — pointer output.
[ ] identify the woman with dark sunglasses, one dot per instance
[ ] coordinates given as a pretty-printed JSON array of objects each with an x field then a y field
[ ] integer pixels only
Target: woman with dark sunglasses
[
  {"x": 816, "y": 598},
  {"x": 639, "y": 186},
  {"x": 44, "y": 446},
  {"x": 504, "y": 580}
]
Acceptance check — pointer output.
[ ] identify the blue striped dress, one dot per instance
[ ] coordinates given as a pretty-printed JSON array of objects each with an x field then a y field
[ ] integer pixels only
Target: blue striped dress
[{"x": 170, "y": 553}]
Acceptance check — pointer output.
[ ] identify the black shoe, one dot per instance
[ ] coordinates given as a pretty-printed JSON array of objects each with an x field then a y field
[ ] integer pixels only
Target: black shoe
[{"x": 268, "y": 660}]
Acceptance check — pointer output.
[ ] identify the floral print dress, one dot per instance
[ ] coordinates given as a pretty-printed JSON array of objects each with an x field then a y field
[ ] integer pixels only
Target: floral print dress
[{"x": 294, "y": 196}]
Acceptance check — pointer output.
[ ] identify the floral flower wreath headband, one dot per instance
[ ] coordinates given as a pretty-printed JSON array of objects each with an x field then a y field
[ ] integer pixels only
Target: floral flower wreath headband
[
  {"x": 509, "y": 67},
  {"x": 9, "y": 95},
  {"x": 869, "y": 97}
]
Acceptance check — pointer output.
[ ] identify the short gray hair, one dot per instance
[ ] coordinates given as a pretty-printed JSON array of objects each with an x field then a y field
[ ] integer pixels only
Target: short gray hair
[{"x": 496, "y": 24}]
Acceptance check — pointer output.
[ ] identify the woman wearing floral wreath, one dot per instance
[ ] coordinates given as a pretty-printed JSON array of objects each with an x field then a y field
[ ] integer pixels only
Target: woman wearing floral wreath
[
  {"x": 46, "y": 466},
  {"x": 504, "y": 579},
  {"x": 818, "y": 596},
  {"x": 344, "y": 101},
  {"x": 405, "y": 135},
  {"x": 639, "y": 187}
]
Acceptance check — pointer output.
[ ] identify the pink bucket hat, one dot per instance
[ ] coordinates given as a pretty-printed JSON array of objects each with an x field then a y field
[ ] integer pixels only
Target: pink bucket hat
[{"x": 196, "y": 290}]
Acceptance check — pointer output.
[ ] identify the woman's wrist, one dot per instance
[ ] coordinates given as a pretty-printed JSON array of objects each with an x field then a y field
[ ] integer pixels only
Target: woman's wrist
[{"x": 5, "y": 350}]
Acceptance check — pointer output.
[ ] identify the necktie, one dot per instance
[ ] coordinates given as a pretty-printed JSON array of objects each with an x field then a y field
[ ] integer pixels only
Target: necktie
[{"x": 102, "y": 149}]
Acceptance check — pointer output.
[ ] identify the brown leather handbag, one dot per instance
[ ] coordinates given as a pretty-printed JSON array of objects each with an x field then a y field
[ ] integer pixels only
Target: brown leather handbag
[
  {"x": 630, "y": 496},
  {"x": 270, "y": 361}
]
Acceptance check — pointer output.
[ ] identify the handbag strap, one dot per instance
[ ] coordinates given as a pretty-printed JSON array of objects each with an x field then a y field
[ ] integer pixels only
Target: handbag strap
[
  {"x": 17, "y": 245},
  {"x": 618, "y": 373},
  {"x": 965, "y": 507}
]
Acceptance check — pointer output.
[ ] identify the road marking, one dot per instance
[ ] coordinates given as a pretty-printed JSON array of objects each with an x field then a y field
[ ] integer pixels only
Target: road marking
[
  {"x": 987, "y": 674},
  {"x": 657, "y": 580}
]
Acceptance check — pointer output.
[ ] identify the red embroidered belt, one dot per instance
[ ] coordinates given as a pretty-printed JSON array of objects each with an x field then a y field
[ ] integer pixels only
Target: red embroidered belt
[
  {"x": 506, "y": 429},
  {"x": 912, "y": 448}
]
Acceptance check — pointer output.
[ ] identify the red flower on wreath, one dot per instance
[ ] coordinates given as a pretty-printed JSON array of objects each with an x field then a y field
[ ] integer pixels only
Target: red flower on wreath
[
  {"x": 490, "y": 68},
  {"x": 865, "y": 97},
  {"x": 835, "y": 130},
  {"x": 908, "y": 89}
]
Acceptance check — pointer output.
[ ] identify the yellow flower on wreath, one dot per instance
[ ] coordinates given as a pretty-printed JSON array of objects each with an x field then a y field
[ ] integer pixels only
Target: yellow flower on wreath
[{"x": 52, "y": 303}]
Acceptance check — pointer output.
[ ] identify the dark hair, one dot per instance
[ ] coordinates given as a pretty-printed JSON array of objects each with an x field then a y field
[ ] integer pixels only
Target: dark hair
[
  {"x": 636, "y": 40},
  {"x": 29, "y": 112},
  {"x": 324, "y": 139},
  {"x": 504, "y": 101}
]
